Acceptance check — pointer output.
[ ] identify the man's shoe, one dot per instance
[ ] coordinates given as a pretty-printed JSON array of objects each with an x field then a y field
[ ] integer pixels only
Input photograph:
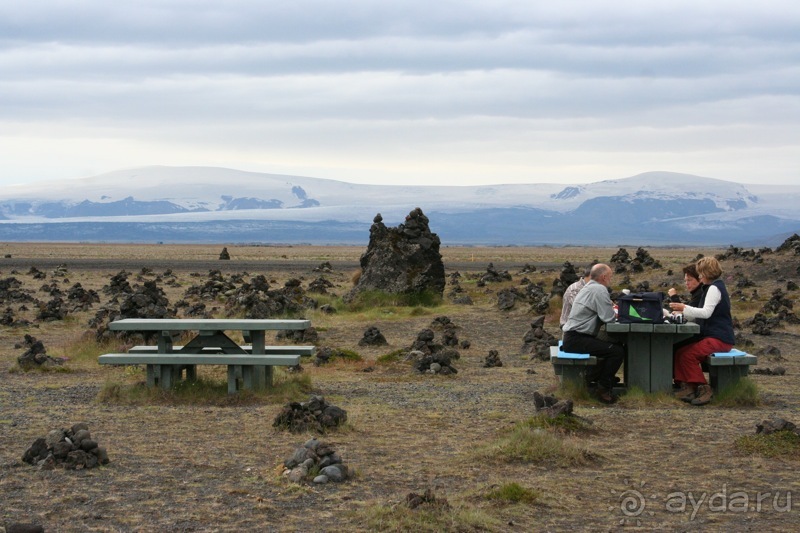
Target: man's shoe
[
  {"x": 686, "y": 393},
  {"x": 704, "y": 395},
  {"x": 605, "y": 396}
]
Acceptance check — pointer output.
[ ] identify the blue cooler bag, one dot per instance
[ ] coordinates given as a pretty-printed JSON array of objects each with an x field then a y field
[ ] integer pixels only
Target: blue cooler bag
[{"x": 641, "y": 307}]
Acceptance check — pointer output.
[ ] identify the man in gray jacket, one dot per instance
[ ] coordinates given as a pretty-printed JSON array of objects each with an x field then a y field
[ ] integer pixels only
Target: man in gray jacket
[{"x": 590, "y": 310}]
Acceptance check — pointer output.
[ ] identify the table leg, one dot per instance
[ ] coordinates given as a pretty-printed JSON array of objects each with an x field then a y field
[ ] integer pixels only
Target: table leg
[
  {"x": 262, "y": 375},
  {"x": 661, "y": 363},
  {"x": 637, "y": 364},
  {"x": 232, "y": 379},
  {"x": 151, "y": 375}
]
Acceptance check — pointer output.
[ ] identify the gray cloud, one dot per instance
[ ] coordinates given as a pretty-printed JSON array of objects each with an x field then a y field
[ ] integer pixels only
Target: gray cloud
[{"x": 446, "y": 80}]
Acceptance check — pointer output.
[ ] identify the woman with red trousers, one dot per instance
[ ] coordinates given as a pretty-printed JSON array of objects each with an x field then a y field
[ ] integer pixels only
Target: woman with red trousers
[{"x": 716, "y": 333}]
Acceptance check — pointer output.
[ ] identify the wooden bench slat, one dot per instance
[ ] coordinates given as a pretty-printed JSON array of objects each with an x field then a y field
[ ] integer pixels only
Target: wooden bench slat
[
  {"x": 206, "y": 324},
  {"x": 198, "y": 359},
  {"x": 280, "y": 350}
]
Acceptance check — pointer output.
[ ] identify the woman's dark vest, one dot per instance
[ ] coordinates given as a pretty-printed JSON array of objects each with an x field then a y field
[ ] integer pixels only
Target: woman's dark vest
[{"x": 720, "y": 324}]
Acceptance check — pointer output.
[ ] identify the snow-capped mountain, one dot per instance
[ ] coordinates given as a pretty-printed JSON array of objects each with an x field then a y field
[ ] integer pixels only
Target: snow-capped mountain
[{"x": 193, "y": 203}]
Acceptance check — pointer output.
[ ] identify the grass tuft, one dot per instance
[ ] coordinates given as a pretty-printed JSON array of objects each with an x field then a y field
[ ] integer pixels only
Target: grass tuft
[
  {"x": 743, "y": 393},
  {"x": 391, "y": 357},
  {"x": 513, "y": 493},
  {"x": 637, "y": 398},
  {"x": 783, "y": 444},
  {"x": 525, "y": 442},
  {"x": 383, "y": 517},
  {"x": 286, "y": 387},
  {"x": 564, "y": 424}
]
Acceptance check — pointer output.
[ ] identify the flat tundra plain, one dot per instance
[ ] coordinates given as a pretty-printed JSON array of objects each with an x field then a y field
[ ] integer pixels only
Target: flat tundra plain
[{"x": 215, "y": 463}]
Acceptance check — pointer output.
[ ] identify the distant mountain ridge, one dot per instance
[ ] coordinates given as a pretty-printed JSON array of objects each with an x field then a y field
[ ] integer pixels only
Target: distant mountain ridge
[{"x": 206, "y": 204}]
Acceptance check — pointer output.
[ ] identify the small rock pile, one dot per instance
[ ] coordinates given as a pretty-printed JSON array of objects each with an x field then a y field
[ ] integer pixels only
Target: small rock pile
[
  {"x": 325, "y": 266},
  {"x": 449, "y": 330},
  {"x": 492, "y": 275},
  {"x": 373, "y": 337},
  {"x": 224, "y": 255},
  {"x": 8, "y": 319},
  {"x": 73, "y": 449},
  {"x": 492, "y": 360},
  {"x": 215, "y": 287},
  {"x": 567, "y": 277},
  {"x": 430, "y": 357},
  {"x": 776, "y": 424},
  {"x": 118, "y": 284},
  {"x": 36, "y": 355},
  {"x": 777, "y": 371},
  {"x": 435, "y": 363},
  {"x": 320, "y": 286},
  {"x": 428, "y": 499},
  {"x": 256, "y": 300},
  {"x": 314, "y": 415},
  {"x": 734, "y": 252},
  {"x": 11, "y": 291},
  {"x": 537, "y": 341},
  {"x": 302, "y": 336},
  {"x": 325, "y": 354},
  {"x": 315, "y": 456},
  {"x": 458, "y": 294},
  {"x": 550, "y": 406}
]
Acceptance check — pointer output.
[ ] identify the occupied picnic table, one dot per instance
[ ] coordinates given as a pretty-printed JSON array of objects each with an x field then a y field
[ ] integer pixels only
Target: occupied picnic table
[
  {"x": 211, "y": 345},
  {"x": 648, "y": 361}
]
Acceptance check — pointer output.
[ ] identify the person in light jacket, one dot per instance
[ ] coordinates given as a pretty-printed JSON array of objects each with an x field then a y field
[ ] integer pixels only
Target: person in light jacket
[{"x": 590, "y": 310}]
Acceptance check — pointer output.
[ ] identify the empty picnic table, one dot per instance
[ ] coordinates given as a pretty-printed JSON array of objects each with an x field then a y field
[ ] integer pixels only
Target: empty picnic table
[{"x": 211, "y": 345}]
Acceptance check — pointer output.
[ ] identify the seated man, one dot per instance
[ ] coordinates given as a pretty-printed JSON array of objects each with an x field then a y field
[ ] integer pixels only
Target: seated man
[{"x": 590, "y": 310}]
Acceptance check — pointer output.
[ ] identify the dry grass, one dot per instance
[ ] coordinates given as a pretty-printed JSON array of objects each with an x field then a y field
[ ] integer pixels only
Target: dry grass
[{"x": 199, "y": 460}]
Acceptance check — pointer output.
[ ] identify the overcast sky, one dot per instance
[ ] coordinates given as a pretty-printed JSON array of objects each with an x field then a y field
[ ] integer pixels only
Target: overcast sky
[{"x": 407, "y": 91}]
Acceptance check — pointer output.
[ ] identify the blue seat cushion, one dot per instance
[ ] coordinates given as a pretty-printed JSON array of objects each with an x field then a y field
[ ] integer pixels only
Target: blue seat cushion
[
  {"x": 733, "y": 353},
  {"x": 567, "y": 355}
]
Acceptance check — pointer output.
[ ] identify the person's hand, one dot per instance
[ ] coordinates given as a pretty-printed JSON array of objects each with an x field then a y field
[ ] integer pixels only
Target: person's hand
[
  {"x": 677, "y": 306},
  {"x": 672, "y": 291}
]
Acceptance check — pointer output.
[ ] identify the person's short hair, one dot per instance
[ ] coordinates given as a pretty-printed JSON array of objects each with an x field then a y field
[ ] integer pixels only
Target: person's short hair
[
  {"x": 691, "y": 270},
  {"x": 599, "y": 270},
  {"x": 710, "y": 268},
  {"x": 587, "y": 272}
]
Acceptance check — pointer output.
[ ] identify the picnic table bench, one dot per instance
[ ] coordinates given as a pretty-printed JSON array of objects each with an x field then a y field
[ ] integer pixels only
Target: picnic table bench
[{"x": 248, "y": 365}]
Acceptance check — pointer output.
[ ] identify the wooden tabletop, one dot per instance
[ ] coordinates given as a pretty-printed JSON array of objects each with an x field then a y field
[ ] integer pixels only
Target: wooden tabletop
[
  {"x": 616, "y": 327},
  {"x": 206, "y": 324}
]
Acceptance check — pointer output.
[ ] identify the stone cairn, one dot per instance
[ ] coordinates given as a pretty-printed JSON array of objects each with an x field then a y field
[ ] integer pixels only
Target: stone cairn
[
  {"x": 326, "y": 354},
  {"x": 314, "y": 415},
  {"x": 550, "y": 406},
  {"x": 492, "y": 275},
  {"x": 449, "y": 330},
  {"x": 72, "y": 449},
  {"x": 776, "y": 424},
  {"x": 426, "y": 500},
  {"x": 432, "y": 358},
  {"x": 36, "y": 355},
  {"x": 401, "y": 260},
  {"x": 492, "y": 360},
  {"x": 325, "y": 266},
  {"x": 373, "y": 337},
  {"x": 224, "y": 255},
  {"x": 255, "y": 299},
  {"x": 537, "y": 341},
  {"x": 567, "y": 277},
  {"x": 320, "y": 286},
  {"x": 146, "y": 301},
  {"x": 533, "y": 294},
  {"x": 315, "y": 456},
  {"x": 457, "y": 294}
]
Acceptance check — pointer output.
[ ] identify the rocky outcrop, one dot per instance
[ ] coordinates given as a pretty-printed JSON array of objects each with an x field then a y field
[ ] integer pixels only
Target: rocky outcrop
[{"x": 401, "y": 260}]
